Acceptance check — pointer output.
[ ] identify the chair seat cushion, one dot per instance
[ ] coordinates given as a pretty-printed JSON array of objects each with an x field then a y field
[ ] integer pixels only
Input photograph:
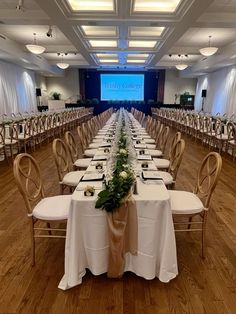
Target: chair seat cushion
[
  {"x": 223, "y": 137},
  {"x": 99, "y": 137},
  {"x": 90, "y": 152},
  {"x": 146, "y": 136},
  {"x": 166, "y": 177},
  {"x": 151, "y": 146},
  {"x": 232, "y": 142},
  {"x": 82, "y": 162},
  {"x": 155, "y": 152},
  {"x": 161, "y": 163},
  {"x": 72, "y": 178},
  {"x": 97, "y": 140},
  {"x": 94, "y": 145},
  {"x": 149, "y": 141},
  {"x": 8, "y": 141},
  {"x": 22, "y": 136},
  {"x": 185, "y": 203},
  {"x": 53, "y": 208}
]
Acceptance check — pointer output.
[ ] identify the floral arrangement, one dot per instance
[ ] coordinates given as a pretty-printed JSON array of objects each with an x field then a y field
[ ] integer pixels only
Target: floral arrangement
[{"x": 122, "y": 179}]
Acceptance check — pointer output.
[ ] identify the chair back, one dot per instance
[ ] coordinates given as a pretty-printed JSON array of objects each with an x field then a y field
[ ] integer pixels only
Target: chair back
[
  {"x": 175, "y": 139},
  {"x": 72, "y": 147},
  {"x": 207, "y": 177},
  {"x": 176, "y": 157},
  {"x": 231, "y": 131},
  {"x": 61, "y": 157},
  {"x": 28, "y": 179},
  {"x": 163, "y": 139},
  {"x": 82, "y": 141},
  {"x": 2, "y": 134}
]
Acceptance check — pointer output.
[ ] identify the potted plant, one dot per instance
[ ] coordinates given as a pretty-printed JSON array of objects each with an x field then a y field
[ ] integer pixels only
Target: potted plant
[{"x": 56, "y": 96}]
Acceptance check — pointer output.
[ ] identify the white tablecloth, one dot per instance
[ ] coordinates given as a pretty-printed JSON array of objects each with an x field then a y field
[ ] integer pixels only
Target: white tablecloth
[{"x": 87, "y": 237}]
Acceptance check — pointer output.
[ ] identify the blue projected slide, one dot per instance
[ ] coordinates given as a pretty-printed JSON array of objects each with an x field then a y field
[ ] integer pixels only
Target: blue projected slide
[{"x": 122, "y": 87}]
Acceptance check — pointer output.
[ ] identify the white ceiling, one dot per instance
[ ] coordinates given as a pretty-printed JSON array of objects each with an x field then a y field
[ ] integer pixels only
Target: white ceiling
[{"x": 123, "y": 33}]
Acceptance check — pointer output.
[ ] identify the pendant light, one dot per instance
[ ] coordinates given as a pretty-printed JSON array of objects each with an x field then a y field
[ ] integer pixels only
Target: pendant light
[
  {"x": 62, "y": 65},
  {"x": 208, "y": 51},
  {"x": 34, "y": 48},
  {"x": 181, "y": 66}
]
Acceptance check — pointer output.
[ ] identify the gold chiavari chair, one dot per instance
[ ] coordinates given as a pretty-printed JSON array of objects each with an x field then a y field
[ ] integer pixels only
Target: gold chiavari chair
[
  {"x": 169, "y": 177},
  {"x": 67, "y": 177},
  {"x": 162, "y": 163},
  {"x": 40, "y": 209},
  {"x": 197, "y": 204},
  {"x": 231, "y": 143},
  {"x": 81, "y": 163},
  {"x": 161, "y": 144},
  {"x": 11, "y": 139},
  {"x": 220, "y": 139},
  {"x": 25, "y": 136},
  {"x": 2, "y": 141}
]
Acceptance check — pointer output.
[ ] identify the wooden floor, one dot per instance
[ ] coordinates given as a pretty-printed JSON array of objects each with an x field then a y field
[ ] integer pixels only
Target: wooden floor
[{"x": 201, "y": 287}]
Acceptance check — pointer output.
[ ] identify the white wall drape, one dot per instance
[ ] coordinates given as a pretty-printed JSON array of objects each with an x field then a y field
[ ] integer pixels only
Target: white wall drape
[
  {"x": 221, "y": 92},
  {"x": 17, "y": 89}
]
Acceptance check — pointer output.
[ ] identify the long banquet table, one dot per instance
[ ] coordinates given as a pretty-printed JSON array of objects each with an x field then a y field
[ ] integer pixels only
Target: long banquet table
[{"x": 87, "y": 244}]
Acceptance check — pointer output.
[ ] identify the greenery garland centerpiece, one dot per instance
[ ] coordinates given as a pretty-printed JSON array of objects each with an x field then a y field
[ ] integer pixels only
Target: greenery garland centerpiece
[{"x": 123, "y": 178}]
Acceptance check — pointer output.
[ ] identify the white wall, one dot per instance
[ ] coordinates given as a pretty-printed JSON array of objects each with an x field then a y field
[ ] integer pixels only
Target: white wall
[
  {"x": 67, "y": 86},
  {"x": 174, "y": 84},
  {"x": 221, "y": 91}
]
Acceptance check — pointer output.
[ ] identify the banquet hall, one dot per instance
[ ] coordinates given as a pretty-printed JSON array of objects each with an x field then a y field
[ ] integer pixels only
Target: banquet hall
[{"x": 117, "y": 156}]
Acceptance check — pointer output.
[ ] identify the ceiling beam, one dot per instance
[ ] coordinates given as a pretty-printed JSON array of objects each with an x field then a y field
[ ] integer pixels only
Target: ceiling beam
[
  {"x": 58, "y": 19},
  {"x": 197, "y": 8}
]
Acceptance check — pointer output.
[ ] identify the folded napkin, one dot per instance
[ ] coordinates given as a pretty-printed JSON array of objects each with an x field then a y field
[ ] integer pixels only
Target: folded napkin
[
  {"x": 123, "y": 236},
  {"x": 92, "y": 177},
  {"x": 151, "y": 175},
  {"x": 144, "y": 157},
  {"x": 140, "y": 146},
  {"x": 99, "y": 157}
]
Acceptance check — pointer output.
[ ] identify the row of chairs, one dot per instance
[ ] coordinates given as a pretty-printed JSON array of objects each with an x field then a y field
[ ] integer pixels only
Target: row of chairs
[
  {"x": 212, "y": 131},
  {"x": 190, "y": 210},
  {"x": 31, "y": 131}
]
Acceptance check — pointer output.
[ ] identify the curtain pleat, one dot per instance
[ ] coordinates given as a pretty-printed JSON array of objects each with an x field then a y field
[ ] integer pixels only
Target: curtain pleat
[
  {"x": 221, "y": 92},
  {"x": 17, "y": 89}
]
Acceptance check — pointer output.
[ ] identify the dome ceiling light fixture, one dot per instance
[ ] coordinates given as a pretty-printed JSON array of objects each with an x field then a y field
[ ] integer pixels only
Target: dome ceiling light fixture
[
  {"x": 181, "y": 66},
  {"x": 34, "y": 48},
  {"x": 62, "y": 65},
  {"x": 208, "y": 51}
]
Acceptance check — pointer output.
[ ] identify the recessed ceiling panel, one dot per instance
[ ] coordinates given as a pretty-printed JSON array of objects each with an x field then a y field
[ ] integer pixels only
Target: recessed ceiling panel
[
  {"x": 142, "y": 44},
  {"x": 135, "y": 31},
  {"x": 135, "y": 61},
  {"x": 137, "y": 55},
  {"x": 103, "y": 43},
  {"x": 92, "y": 5},
  {"x": 107, "y": 55},
  {"x": 108, "y": 60},
  {"x": 99, "y": 31},
  {"x": 162, "y": 6}
]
